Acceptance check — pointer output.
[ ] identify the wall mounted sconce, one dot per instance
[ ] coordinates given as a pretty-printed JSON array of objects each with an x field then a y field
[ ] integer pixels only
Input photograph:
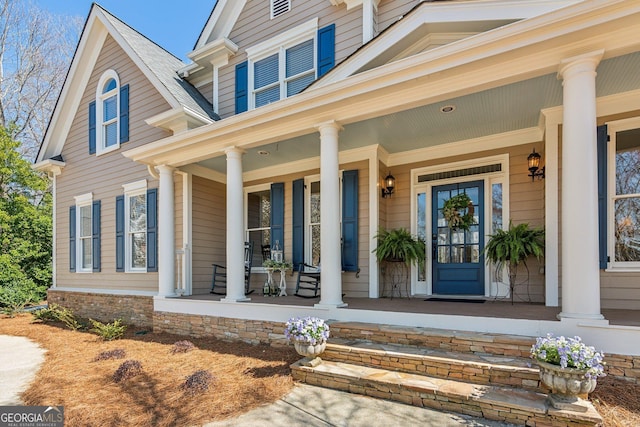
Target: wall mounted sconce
[
  {"x": 534, "y": 166},
  {"x": 389, "y": 186}
]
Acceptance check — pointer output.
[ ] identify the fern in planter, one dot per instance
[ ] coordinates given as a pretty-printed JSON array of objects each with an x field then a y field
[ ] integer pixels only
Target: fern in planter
[
  {"x": 510, "y": 248},
  {"x": 399, "y": 245}
]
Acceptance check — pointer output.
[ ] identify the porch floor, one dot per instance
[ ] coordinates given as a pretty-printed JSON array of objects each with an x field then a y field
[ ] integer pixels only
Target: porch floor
[{"x": 491, "y": 308}]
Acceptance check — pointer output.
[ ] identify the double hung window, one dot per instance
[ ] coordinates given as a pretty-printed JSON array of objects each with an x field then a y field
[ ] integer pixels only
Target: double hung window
[
  {"x": 108, "y": 112},
  {"x": 284, "y": 73},
  {"x": 258, "y": 220},
  {"x": 624, "y": 191},
  {"x": 84, "y": 233}
]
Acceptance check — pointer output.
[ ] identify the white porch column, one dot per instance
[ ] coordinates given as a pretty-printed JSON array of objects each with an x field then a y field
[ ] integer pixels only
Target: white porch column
[
  {"x": 330, "y": 249},
  {"x": 235, "y": 227},
  {"x": 580, "y": 268},
  {"x": 166, "y": 233}
]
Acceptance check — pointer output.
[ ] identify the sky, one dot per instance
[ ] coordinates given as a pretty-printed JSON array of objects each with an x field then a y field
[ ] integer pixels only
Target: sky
[{"x": 173, "y": 25}]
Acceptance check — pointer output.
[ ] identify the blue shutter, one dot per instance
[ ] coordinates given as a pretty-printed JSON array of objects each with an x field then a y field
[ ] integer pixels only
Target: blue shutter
[
  {"x": 120, "y": 233},
  {"x": 95, "y": 235},
  {"x": 124, "y": 113},
  {"x": 277, "y": 214},
  {"x": 92, "y": 127},
  {"x": 326, "y": 48},
  {"x": 297, "y": 220},
  {"x": 350, "y": 220},
  {"x": 242, "y": 86},
  {"x": 602, "y": 194},
  {"x": 152, "y": 229},
  {"x": 72, "y": 238}
]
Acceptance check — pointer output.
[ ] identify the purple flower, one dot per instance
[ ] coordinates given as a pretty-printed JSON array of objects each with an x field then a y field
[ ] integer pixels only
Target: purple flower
[
  {"x": 308, "y": 329},
  {"x": 569, "y": 352}
]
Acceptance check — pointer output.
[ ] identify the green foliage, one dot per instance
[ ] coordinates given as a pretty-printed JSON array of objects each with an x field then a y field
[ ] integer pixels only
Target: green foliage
[
  {"x": 56, "y": 313},
  {"x": 25, "y": 228},
  {"x": 515, "y": 245},
  {"x": 108, "y": 331},
  {"x": 458, "y": 211},
  {"x": 510, "y": 248},
  {"x": 47, "y": 314},
  {"x": 399, "y": 245}
]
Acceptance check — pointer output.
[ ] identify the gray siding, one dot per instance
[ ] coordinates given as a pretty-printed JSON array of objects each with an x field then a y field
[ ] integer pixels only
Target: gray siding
[
  {"x": 389, "y": 11},
  {"x": 104, "y": 175},
  {"x": 208, "y": 229}
]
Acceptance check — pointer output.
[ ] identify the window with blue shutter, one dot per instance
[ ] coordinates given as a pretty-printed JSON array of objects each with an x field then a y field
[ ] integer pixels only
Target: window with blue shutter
[
  {"x": 297, "y": 220},
  {"x": 350, "y": 220},
  {"x": 92, "y": 127},
  {"x": 602, "y": 194},
  {"x": 120, "y": 234},
  {"x": 124, "y": 114},
  {"x": 277, "y": 214},
  {"x": 326, "y": 49},
  {"x": 72, "y": 238},
  {"x": 95, "y": 236},
  {"x": 152, "y": 229},
  {"x": 242, "y": 85}
]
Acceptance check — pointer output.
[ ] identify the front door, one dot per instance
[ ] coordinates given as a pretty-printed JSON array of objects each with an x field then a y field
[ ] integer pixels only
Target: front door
[{"x": 458, "y": 263}]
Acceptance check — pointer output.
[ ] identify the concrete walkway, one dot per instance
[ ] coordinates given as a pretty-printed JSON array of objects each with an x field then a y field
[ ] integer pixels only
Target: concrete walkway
[
  {"x": 20, "y": 359},
  {"x": 321, "y": 407}
]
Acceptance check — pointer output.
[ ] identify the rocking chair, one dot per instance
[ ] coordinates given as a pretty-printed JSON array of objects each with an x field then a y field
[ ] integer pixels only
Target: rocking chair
[
  {"x": 308, "y": 282},
  {"x": 219, "y": 281}
]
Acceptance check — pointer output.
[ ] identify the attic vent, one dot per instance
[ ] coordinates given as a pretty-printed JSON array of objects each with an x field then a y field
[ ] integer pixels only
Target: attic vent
[
  {"x": 460, "y": 172},
  {"x": 278, "y": 7}
]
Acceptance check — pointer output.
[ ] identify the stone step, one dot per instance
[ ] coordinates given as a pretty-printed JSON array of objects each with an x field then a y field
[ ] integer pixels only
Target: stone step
[
  {"x": 520, "y": 407},
  {"x": 439, "y": 339},
  {"x": 474, "y": 368}
]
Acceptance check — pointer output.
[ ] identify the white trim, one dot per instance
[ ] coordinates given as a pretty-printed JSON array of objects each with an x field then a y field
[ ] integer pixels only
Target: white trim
[
  {"x": 483, "y": 143},
  {"x": 253, "y": 189},
  {"x": 204, "y": 172},
  {"x": 84, "y": 198},
  {"x": 613, "y": 128},
  {"x": 419, "y": 80},
  {"x": 426, "y": 187},
  {"x": 134, "y": 187},
  {"x": 374, "y": 221},
  {"x": 100, "y": 99},
  {"x": 222, "y": 20},
  {"x": 83, "y": 201},
  {"x": 463, "y": 11},
  {"x": 107, "y": 291},
  {"x": 296, "y": 34},
  {"x": 551, "y": 215}
]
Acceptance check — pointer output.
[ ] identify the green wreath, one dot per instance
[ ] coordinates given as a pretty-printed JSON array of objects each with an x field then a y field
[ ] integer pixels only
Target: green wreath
[{"x": 452, "y": 211}]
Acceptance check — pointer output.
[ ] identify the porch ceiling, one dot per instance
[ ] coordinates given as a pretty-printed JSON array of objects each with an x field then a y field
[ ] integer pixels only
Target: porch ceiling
[{"x": 502, "y": 109}]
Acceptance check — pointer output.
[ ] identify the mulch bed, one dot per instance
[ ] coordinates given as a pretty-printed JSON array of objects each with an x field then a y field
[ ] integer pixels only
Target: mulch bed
[
  {"x": 243, "y": 376},
  {"x": 77, "y": 375}
]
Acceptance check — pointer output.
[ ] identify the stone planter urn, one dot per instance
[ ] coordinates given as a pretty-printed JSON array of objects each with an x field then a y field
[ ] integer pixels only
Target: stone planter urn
[
  {"x": 310, "y": 352},
  {"x": 566, "y": 385}
]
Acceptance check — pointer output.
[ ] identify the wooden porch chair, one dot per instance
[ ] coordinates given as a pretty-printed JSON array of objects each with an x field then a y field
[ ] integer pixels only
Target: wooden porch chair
[
  {"x": 308, "y": 283},
  {"x": 219, "y": 280}
]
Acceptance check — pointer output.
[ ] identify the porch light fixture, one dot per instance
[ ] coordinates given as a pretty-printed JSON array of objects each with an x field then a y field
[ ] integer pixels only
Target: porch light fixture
[
  {"x": 534, "y": 165},
  {"x": 389, "y": 186}
]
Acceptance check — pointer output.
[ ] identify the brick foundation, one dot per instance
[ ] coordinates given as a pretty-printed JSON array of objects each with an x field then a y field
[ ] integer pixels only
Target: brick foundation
[
  {"x": 132, "y": 309},
  {"x": 249, "y": 331},
  {"x": 625, "y": 367}
]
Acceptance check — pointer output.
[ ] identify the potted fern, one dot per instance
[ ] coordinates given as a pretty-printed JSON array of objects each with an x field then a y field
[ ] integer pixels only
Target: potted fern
[
  {"x": 399, "y": 249},
  {"x": 399, "y": 245},
  {"x": 511, "y": 248}
]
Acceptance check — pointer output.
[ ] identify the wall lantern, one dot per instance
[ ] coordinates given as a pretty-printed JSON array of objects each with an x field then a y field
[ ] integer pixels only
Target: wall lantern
[
  {"x": 389, "y": 186},
  {"x": 534, "y": 166}
]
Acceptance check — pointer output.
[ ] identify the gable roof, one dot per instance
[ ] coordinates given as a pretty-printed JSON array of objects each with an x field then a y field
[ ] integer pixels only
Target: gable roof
[
  {"x": 223, "y": 17},
  {"x": 157, "y": 64},
  {"x": 461, "y": 17}
]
